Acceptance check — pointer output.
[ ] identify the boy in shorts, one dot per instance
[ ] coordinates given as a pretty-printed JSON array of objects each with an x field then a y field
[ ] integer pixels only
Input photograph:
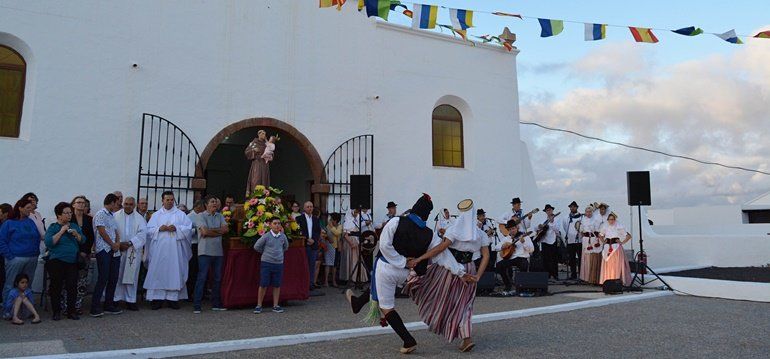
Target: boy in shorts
[{"x": 272, "y": 245}]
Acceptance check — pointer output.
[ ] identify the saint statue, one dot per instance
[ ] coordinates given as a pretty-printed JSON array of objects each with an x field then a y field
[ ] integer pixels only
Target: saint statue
[{"x": 259, "y": 174}]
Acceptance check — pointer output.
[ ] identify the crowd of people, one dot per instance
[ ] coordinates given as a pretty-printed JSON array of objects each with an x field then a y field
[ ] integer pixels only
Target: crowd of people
[{"x": 172, "y": 255}]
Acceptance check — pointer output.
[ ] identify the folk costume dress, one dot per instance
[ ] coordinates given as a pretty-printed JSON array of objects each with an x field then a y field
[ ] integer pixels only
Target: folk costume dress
[
  {"x": 402, "y": 237},
  {"x": 445, "y": 302},
  {"x": 614, "y": 262},
  {"x": 591, "y": 262}
]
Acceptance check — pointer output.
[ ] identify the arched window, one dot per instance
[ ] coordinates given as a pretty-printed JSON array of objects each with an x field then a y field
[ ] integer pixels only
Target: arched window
[
  {"x": 12, "y": 74},
  {"x": 447, "y": 137}
]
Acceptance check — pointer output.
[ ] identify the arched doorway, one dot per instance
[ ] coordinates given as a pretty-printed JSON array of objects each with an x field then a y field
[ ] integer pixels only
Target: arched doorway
[{"x": 297, "y": 168}]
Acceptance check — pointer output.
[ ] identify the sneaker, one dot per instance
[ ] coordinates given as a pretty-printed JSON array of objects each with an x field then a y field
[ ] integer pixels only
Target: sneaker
[
  {"x": 257, "y": 310},
  {"x": 113, "y": 311},
  {"x": 219, "y": 309},
  {"x": 197, "y": 310},
  {"x": 278, "y": 309},
  {"x": 96, "y": 313}
]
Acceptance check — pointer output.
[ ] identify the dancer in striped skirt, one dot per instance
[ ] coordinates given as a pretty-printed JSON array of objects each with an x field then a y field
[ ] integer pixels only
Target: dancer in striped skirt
[{"x": 445, "y": 294}]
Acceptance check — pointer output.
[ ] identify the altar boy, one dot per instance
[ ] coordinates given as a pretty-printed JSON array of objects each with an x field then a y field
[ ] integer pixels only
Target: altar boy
[{"x": 272, "y": 245}]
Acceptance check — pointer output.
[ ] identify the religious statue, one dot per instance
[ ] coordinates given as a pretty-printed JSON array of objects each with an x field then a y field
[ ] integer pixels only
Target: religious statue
[{"x": 260, "y": 153}]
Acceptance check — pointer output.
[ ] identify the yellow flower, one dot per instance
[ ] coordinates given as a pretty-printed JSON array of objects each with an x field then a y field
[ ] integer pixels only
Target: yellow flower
[
  {"x": 261, "y": 208},
  {"x": 259, "y": 188},
  {"x": 294, "y": 226},
  {"x": 260, "y": 227},
  {"x": 246, "y": 206},
  {"x": 254, "y": 219},
  {"x": 268, "y": 215}
]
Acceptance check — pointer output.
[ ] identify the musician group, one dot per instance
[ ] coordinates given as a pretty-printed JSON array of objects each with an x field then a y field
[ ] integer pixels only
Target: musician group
[{"x": 439, "y": 268}]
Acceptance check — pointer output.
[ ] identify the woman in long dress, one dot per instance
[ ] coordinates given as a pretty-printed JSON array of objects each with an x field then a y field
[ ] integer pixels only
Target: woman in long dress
[
  {"x": 259, "y": 173},
  {"x": 614, "y": 262},
  {"x": 351, "y": 247},
  {"x": 591, "y": 260},
  {"x": 445, "y": 294}
]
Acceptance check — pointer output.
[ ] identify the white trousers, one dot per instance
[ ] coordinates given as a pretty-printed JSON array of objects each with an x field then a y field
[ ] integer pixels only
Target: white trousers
[{"x": 387, "y": 278}]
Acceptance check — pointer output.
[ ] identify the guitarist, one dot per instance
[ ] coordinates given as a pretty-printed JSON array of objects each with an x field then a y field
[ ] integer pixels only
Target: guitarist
[
  {"x": 488, "y": 227},
  {"x": 573, "y": 239},
  {"x": 516, "y": 212},
  {"x": 547, "y": 233},
  {"x": 520, "y": 258}
]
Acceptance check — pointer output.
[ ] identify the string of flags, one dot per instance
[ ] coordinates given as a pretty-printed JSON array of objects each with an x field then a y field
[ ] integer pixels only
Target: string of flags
[{"x": 424, "y": 16}]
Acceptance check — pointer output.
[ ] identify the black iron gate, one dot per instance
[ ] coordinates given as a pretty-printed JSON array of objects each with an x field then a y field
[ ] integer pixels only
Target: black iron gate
[
  {"x": 168, "y": 161},
  {"x": 353, "y": 157}
]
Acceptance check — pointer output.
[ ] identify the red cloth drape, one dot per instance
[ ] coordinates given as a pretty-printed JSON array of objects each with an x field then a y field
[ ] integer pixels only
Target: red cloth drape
[{"x": 240, "y": 277}]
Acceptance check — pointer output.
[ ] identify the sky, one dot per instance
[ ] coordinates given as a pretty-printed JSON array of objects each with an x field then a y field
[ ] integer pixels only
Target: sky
[{"x": 696, "y": 96}]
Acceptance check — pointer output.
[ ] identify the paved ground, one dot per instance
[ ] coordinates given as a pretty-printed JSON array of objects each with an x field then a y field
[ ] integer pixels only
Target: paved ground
[
  {"x": 167, "y": 327},
  {"x": 668, "y": 327}
]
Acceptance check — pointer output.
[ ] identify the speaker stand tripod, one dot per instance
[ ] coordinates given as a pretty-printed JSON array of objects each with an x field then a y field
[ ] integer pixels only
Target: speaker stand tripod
[{"x": 641, "y": 262}]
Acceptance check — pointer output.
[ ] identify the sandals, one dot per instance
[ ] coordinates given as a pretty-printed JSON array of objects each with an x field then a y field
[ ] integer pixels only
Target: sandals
[
  {"x": 37, "y": 321},
  {"x": 467, "y": 348},
  {"x": 17, "y": 323},
  {"x": 408, "y": 350}
]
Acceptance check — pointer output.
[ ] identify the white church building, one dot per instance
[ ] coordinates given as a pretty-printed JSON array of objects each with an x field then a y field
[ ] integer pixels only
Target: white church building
[{"x": 144, "y": 96}]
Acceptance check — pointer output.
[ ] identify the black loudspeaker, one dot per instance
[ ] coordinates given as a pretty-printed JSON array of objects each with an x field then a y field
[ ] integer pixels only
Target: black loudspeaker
[
  {"x": 531, "y": 282},
  {"x": 360, "y": 191},
  {"x": 639, "y": 188},
  {"x": 487, "y": 281},
  {"x": 612, "y": 286}
]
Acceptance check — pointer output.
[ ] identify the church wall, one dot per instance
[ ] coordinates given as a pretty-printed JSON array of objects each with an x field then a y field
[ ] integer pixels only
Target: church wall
[{"x": 206, "y": 64}]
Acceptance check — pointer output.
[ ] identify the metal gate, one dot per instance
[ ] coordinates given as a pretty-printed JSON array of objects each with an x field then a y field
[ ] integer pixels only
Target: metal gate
[
  {"x": 353, "y": 157},
  {"x": 168, "y": 161}
]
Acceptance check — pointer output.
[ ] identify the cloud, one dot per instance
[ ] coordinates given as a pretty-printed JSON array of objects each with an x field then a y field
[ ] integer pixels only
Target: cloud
[{"x": 715, "y": 109}]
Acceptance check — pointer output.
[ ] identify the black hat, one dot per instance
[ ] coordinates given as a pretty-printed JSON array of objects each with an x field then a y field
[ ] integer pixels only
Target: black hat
[
  {"x": 422, "y": 207},
  {"x": 573, "y": 204},
  {"x": 547, "y": 207},
  {"x": 391, "y": 204},
  {"x": 512, "y": 223},
  {"x": 480, "y": 211},
  {"x": 515, "y": 200}
]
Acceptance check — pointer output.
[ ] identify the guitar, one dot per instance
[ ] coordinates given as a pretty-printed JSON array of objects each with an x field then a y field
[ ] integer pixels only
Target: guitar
[
  {"x": 504, "y": 230},
  {"x": 542, "y": 231},
  {"x": 507, "y": 252}
]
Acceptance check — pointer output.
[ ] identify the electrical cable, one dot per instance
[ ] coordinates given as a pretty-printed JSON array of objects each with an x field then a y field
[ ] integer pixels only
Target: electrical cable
[{"x": 646, "y": 149}]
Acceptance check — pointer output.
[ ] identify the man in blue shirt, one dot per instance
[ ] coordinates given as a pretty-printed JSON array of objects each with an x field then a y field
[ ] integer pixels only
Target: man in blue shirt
[{"x": 107, "y": 245}]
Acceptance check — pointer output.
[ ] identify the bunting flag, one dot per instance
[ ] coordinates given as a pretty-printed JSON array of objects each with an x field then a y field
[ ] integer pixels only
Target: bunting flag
[
  {"x": 689, "y": 31},
  {"x": 550, "y": 27},
  {"x": 730, "y": 37},
  {"x": 424, "y": 16},
  {"x": 596, "y": 32},
  {"x": 643, "y": 34},
  {"x": 379, "y": 8},
  {"x": 461, "y": 19},
  {"x": 330, "y": 3},
  {"x": 499, "y": 13}
]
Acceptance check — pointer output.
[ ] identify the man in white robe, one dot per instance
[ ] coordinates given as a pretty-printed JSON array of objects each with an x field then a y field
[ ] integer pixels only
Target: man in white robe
[
  {"x": 133, "y": 235},
  {"x": 169, "y": 233}
]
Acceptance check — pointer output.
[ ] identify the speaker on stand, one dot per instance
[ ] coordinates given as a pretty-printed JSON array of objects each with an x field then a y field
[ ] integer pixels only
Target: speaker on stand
[{"x": 639, "y": 195}]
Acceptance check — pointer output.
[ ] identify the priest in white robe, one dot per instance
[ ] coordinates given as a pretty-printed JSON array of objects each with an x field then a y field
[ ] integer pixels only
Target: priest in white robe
[
  {"x": 169, "y": 235},
  {"x": 133, "y": 235}
]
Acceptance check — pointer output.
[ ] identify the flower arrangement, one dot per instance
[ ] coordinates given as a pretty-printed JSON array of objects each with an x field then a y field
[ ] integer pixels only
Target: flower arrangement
[{"x": 262, "y": 205}]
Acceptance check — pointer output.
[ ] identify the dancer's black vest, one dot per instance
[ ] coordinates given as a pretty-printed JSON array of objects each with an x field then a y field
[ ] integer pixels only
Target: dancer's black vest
[{"x": 411, "y": 241}]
